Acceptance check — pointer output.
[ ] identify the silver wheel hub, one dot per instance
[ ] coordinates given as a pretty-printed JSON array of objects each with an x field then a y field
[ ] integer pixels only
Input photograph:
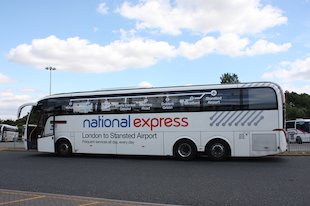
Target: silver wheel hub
[
  {"x": 218, "y": 150},
  {"x": 64, "y": 147},
  {"x": 184, "y": 150}
]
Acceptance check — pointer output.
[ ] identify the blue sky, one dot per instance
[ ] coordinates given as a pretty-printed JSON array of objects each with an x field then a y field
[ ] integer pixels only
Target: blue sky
[{"x": 97, "y": 44}]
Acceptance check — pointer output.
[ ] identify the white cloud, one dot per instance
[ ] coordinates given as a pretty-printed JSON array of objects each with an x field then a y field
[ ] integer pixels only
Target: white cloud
[
  {"x": 9, "y": 103},
  {"x": 78, "y": 55},
  {"x": 203, "y": 16},
  {"x": 102, "y": 8},
  {"x": 229, "y": 20},
  {"x": 127, "y": 34},
  {"x": 290, "y": 71},
  {"x": 29, "y": 90},
  {"x": 5, "y": 79},
  {"x": 262, "y": 47},
  {"x": 75, "y": 54},
  {"x": 294, "y": 88},
  {"x": 202, "y": 47},
  {"x": 231, "y": 45},
  {"x": 145, "y": 84}
]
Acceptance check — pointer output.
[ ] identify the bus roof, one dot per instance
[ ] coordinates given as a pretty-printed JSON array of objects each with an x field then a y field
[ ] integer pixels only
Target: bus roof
[
  {"x": 120, "y": 91},
  {"x": 8, "y": 126},
  {"x": 299, "y": 120}
]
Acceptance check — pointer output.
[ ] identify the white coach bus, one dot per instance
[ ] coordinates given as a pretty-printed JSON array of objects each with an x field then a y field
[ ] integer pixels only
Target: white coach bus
[
  {"x": 8, "y": 133},
  {"x": 221, "y": 121}
]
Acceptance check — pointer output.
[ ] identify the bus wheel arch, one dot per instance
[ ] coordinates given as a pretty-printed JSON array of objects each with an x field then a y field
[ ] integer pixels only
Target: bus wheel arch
[
  {"x": 218, "y": 149},
  {"x": 63, "y": 147},
  {"x": 185, "y": 149}
]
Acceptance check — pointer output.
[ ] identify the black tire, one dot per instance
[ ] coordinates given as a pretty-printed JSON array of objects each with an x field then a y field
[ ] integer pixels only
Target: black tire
[
  {"x": 64, "y": 148},
  {"x": 218, "y": 150},
  {"x": 298, "y": 140},
  {"x": 185, "y": 150}
]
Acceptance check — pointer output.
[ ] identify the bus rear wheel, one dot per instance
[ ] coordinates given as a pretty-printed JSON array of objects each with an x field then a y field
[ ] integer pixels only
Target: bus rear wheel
[
  {"x": 218, "y": 150},
  {"x": 185, "y": 150},
  {"x": 64, "y": 148}
]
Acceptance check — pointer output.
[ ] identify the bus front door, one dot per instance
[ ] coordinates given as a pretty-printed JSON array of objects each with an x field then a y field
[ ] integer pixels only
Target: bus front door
[
  {"x": 33, "y": 128},
  {"x": 46, "y": 142}
]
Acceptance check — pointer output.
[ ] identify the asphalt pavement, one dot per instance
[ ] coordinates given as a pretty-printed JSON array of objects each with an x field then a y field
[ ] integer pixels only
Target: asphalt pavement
[
  {"x": 17, "y": 198},
  {"x": 27, "y": 198},
  {"x": 276, "y": 180}
]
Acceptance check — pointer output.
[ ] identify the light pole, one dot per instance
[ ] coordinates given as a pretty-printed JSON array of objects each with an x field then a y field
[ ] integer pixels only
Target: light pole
[{"x": 50, "y": 69}]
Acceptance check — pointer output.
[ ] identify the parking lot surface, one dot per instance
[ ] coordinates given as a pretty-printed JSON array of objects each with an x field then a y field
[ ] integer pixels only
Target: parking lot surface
[
  {"x": 24, "y": 198},
  {"x": 274, "y": 180},
  {"x": 18, "y": 198}
]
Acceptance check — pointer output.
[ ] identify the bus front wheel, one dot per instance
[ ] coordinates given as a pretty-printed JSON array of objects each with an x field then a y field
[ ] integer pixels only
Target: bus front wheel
[
  {"x": 218, "y": 150},
  {"x": 64, "y": 148},
  {"x": 185, "y": 150}
]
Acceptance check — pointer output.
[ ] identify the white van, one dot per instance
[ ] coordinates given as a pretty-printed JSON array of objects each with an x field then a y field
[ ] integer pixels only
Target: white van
[{"x": 298, "y": 130}]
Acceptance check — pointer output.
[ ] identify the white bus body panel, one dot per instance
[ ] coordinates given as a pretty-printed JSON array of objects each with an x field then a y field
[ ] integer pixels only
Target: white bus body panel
[
  {"x": 241, "y": 144},
  {"x": 46, "y": 144},
  {"x": 248, "y": 133}
]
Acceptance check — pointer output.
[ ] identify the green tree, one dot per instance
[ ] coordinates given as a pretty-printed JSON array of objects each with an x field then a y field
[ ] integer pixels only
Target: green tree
[
  {"x": 8, "y": 121},
  {"x": 228, "y": 78},
  {"x": 297, "y": 105}
]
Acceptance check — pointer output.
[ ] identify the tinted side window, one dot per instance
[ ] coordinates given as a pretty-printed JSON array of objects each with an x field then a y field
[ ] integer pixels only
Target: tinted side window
[
  {"x": 222, "y": 100},
  {"x": 145, "y": 103},
  {"x": 303, "y": 126},
  {"x": 259, "y": 98},
  {"x": 55, "y": 105},
  {"x": 190, "y": 101},
  {"x": 290, "y": 125}
]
